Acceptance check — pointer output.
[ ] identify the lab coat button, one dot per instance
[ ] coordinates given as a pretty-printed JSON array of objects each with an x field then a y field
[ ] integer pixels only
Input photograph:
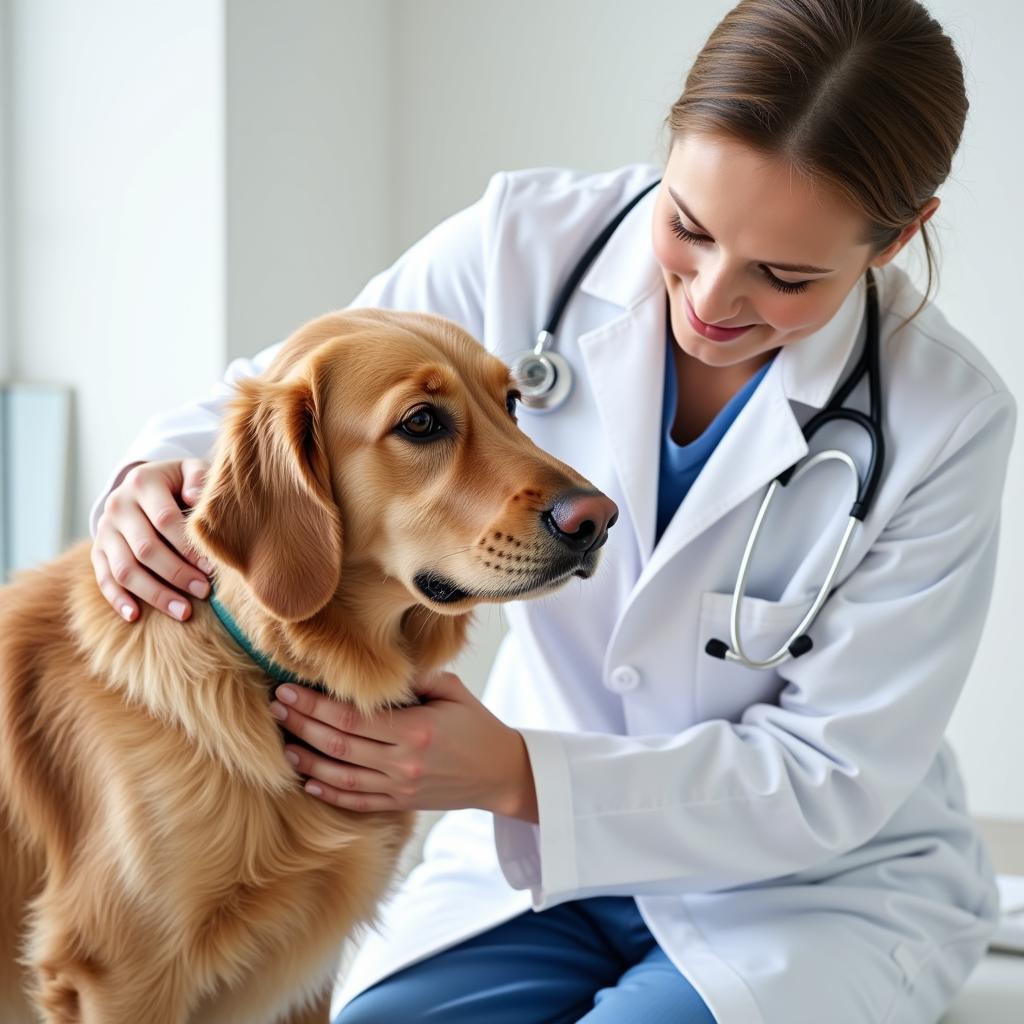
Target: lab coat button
[{"x": 623, "y": 679}]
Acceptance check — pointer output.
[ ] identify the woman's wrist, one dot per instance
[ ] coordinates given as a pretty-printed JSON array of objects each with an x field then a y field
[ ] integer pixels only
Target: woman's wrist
[{"x": 519, "y": 796}]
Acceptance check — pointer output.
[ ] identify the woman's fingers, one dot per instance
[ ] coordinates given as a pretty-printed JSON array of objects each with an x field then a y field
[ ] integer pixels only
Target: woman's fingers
[
  {"x": 141, "y": 548},
  {"x": 158, "y": 557},
  {"x": 128, "y": 573},
  {"x": 161, "y": 510},
  {"x": 193, "y": 472},
  {"x": 347, "y": 781},
  {"x": 341, "y": 715},
  {"x": 339, "y": 746},
  {"x": 120, "y": 600}
]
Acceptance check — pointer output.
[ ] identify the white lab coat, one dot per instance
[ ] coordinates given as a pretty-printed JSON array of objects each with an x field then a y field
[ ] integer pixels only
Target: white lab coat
[{"x": 797, "y": 840}]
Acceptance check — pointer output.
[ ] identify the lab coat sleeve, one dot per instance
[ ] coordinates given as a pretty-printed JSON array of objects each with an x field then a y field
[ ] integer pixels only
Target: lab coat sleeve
[
  {"x": 444, "y": 273},
  {"x": 796, "y": 783}
]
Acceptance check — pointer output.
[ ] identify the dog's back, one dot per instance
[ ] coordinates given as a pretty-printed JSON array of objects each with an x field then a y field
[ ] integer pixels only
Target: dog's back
[
  {"x": 33, "y": 610},
  {"x": 157, "y": 861},
  {"x": 20, "y": 872}
]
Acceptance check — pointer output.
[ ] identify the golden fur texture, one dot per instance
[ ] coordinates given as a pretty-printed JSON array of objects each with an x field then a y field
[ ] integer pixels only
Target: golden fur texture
[{"x": 159, "y": 861}]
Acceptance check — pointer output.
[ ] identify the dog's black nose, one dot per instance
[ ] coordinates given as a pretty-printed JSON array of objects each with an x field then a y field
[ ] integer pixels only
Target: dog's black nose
[{"x": 581, "y": 519}]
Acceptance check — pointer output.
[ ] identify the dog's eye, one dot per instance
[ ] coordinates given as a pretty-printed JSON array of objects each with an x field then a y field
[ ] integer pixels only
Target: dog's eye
[
  {"x": 511, "y": 400},
  {"x": 422, "y": 424}
]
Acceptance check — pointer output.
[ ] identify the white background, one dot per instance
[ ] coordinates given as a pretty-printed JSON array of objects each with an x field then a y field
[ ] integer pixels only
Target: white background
[{"x": 187, "y": 181}]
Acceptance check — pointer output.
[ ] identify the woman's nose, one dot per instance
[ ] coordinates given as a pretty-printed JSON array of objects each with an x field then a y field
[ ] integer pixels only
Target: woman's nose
[{"x": 714, "y": 299}]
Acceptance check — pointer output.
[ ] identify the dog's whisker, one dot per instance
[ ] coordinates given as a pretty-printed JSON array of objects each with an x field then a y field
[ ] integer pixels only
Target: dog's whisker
[
  {"x": 423, "y": 626},
  {"x": 458, "y": 551}
]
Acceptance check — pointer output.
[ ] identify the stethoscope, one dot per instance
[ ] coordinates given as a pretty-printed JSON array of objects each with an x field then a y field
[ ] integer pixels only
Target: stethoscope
[{"x": 545, "y": 380}]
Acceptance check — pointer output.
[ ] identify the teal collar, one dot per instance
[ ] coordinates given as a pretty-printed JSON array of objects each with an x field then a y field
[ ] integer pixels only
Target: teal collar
[{"x": 275, "y": 671}]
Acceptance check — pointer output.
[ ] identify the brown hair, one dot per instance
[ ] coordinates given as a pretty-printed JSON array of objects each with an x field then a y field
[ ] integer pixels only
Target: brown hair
[{"x": 866, "y": 96}]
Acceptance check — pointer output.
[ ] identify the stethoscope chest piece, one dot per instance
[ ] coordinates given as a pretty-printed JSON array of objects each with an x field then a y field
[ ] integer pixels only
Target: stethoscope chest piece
[{"x": 544, "y": 379}]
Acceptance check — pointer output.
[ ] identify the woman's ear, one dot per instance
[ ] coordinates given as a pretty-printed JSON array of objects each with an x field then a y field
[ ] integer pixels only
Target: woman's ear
[
  {"x": 891, "y": 251},
  {"x": 267, "y": 509}
]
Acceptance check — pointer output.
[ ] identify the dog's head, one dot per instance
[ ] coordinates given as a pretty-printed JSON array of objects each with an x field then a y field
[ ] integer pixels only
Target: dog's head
[{"x": 390, "y": 440}]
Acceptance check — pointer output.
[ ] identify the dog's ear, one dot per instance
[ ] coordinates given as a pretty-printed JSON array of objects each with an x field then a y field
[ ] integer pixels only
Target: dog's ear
[{"x": 267, "y": 508}]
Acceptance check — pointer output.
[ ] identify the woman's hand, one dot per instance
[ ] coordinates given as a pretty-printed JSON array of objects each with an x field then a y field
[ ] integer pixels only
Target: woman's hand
[
  {"x": 140, "y": 544},
  {"x": 447, "y": 753}
]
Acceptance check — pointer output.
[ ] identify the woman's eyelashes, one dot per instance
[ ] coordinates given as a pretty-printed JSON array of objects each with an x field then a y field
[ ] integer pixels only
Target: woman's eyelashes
[{"x": 786, "y": 287}]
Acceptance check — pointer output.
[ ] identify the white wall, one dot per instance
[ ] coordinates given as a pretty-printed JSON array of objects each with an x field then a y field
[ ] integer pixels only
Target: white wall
[
  {"x": 308, "y": 135},
  {"x": 117, "y": 219},
  {"x": 194, "y": 179},
  {"x": 492, "y": 85},
  {"x": 982, "y": 226},
  {"x": 5, "y": 197}
]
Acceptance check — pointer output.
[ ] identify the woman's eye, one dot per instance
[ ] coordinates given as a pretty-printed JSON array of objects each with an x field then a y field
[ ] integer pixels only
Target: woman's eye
[
  {"x": 423, "y": 423},
  {"x": 786, "y": 287},
  {"x": 511, "y": 400},
  {"x": 687, "y": 236}
]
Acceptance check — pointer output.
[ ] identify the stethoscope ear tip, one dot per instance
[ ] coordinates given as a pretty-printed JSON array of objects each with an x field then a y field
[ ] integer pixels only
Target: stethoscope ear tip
[
  {"x": 716, "y": 648},
  {"x": 801, "y": 645}
]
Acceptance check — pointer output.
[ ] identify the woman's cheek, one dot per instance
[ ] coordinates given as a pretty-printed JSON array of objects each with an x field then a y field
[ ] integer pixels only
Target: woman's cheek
[
  {"x": 796, "y": 316},
  {"x": 784, "y": 316},
  {"x": 674, "y": 255}
]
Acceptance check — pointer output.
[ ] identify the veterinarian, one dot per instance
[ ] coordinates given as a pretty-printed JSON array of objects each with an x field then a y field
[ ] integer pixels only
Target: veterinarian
[{"x": 640, "y": 830}]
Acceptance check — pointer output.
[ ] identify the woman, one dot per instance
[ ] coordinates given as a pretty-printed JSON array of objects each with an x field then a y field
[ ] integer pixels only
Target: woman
[{"x": 698, "y": 841}]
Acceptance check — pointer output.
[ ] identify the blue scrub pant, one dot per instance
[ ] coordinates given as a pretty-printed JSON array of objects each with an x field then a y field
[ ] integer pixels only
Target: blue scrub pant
[{"x": 590, "y": 960}]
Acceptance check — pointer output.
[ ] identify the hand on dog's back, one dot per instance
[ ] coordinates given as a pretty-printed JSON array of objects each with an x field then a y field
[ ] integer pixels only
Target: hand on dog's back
[{"x": 140, "y": 549}]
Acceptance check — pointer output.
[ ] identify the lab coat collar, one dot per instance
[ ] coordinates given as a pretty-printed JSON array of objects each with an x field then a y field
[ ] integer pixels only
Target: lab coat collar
[{"x": 625, "y": 271}]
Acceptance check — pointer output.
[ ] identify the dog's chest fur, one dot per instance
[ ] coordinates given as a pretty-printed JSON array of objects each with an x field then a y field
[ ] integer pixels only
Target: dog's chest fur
[{"x": 141, "y": 768}]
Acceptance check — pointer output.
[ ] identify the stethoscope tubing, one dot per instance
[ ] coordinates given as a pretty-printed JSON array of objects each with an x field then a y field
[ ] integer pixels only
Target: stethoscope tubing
[
  {"x": 583, "y": 264},
  {"x": 869, "y": 363},
  {"x": 545, "y": 377},
  {"x": 799, "y": 642}
]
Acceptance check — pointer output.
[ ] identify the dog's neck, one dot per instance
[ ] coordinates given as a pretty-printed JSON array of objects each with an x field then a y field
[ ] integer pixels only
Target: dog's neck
[
  {"x": 272, "y": 669},
  {"x": 365, "y": 645}
]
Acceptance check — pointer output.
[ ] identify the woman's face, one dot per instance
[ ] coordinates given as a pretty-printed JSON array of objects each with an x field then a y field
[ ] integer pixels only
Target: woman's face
[{"x": 746, "y": 242}]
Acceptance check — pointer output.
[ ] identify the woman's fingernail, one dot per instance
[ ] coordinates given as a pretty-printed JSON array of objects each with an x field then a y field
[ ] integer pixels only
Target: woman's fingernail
[
  {"x": 278, "y": 711},
  {"x": 127, "y": 611},
  {"x": 286, "y": 693},
  {"x": 204, "y": 565},
  {"x": 178, "y": 609},
  {"x": 292, "y": 756},
  {"x": 198, "y": 587},
  {"x": 313, "y": 789}
]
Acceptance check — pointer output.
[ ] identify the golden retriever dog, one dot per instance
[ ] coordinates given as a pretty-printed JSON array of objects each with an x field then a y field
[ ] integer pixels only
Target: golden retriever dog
[{"x": 159, "y": 860}]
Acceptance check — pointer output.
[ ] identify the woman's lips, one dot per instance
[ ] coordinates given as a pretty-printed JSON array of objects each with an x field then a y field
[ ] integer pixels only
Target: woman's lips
[{"x": 711, "y": 332}]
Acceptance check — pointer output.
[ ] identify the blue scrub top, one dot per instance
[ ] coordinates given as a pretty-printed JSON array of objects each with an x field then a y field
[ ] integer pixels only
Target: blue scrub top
[{"x": 681, "y": 463}]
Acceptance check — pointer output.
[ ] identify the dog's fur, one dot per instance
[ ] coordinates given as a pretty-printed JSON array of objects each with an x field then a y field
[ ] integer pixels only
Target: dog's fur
[{"x": 159, "y": 861}]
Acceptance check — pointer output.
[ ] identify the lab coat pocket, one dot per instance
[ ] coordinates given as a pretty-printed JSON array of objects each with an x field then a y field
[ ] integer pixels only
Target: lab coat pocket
[{"x": 725, "y": 689}]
